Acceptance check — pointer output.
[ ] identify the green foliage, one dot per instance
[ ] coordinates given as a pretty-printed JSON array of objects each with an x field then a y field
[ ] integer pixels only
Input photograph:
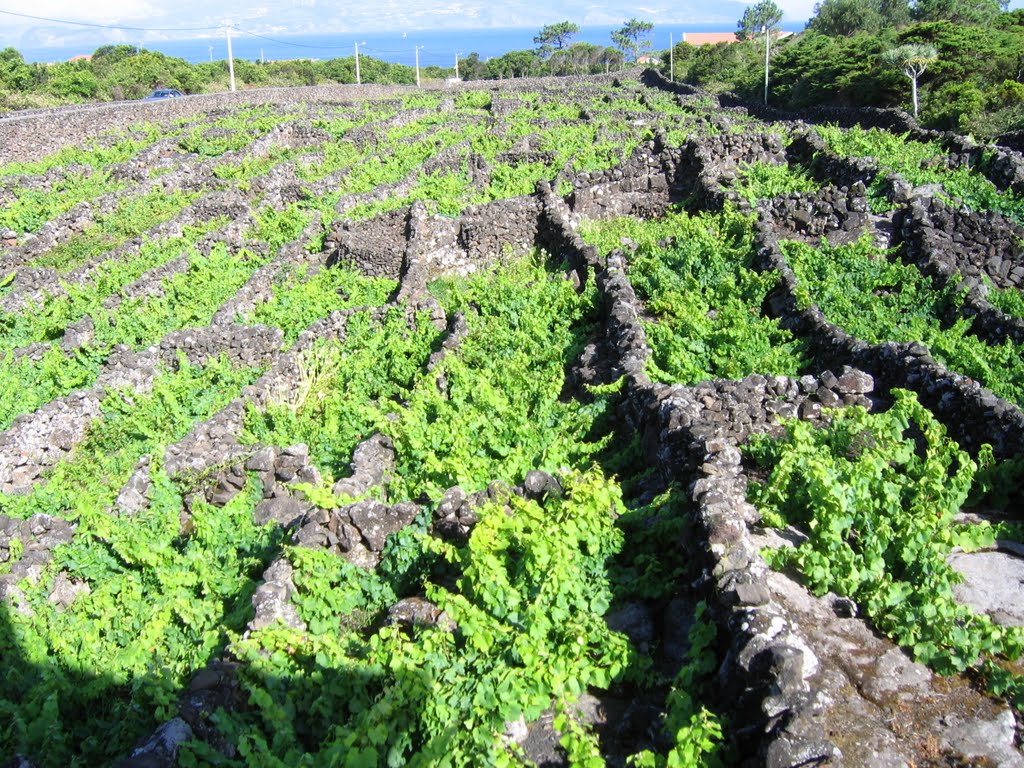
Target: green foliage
[
  {"x": 279, "y": 227},
  {"x": 695, "y": 731},
  {"x": 819, "y": 69},
  {"x": 233, "y": 132},
  {"x": 171, "y": 586},
  {"x": 633, "y": 37},
  {"x": 126, "y": 72},
  {"x": 838, "y": 60},
  {"x": 581, "y": 59},
  {"x": 920, "y": 163},
  {"x": 895, "y": 152},
  {"x": 109, "y": 230},
  {"x": 132, "y": 425},
  {"x": 527, "y": 602},
  {"x": 252, "y": 167},
  {"x": 445, "y": 192},
  {"x": 400, "y": 159},
  {"x": 302, "y": 296},
  {"x": 158, "y": 608},
  {"x": 92, "y": 678},
  {"x": 912, "y": 59},
  {"x": 876, "y": 496},
  {"x": 47, "y": 320},
  {"x": 95, "y": 154},
  {"x": 693, "y": 274},
  {"x": 187, "y": 299},
  {"x": 515, "y": 64},
  {"x": 766, "y": 181},
  {"x": 348, "y": 388},
  {"x": 555, "y": 36},
  {"x": 846, "y": 17},
  {"x": 997, "y": 486},
  {"x": 879, "y": 300},
  {"x": 973, "y": 56},
  {"x": 763, "y": 16},
  {"x": 32, "y": 208},
  {"x": 727, "y": 66},
  {"x": 959, "y": 12},
  {"x": 473, "y": 100},
  {"x": 1008, "y": 300},
  {"x": 15, "y": 74},
  {"x": 28, "y": 384},
  {"x": 645, "y": 568},
  {"x": 72, "y": 81},
  {"x": 504, "y": 384}
]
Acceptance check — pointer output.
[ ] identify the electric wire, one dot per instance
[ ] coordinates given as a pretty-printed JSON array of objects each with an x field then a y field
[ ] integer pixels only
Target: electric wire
[
  {"x": 285, "y": 42},
  {"x": 425, "y": 54},
  {"x": 109, "y": 26}
]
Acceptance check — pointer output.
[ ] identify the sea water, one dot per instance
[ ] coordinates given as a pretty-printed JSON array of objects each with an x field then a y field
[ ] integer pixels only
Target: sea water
[{"x": 436, "y": 47}]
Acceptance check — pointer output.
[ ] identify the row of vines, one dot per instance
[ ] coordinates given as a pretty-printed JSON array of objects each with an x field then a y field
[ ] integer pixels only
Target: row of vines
[{"x": 119, "y": 250}]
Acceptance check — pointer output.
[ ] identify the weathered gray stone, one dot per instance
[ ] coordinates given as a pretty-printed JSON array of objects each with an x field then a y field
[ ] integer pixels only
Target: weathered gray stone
[
  {"x": 634, "y": 620},
  {"x": 412, "y": 612},
  {"x": 993, "y": 740},
  {"x": 539, "y": 484},
  {"x": 283, "y": 510},
  {"x": 993, "y": 584},
  {"x": 161, "y": 750},
  {"x": 65, "y": 591},
  {"x": 262, "y": 460}
]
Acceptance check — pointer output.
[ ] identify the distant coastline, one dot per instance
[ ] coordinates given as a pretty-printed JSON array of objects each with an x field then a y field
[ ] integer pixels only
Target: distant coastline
[{"x": 437, "y": 47}]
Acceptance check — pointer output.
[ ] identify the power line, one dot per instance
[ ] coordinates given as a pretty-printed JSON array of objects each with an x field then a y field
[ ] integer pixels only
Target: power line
[
  {"x": 294, "y": 45},
  {"x": 336, "y": 47},
  {"x": 425, "y": 53},
  {"x": 109, "y": 26}
]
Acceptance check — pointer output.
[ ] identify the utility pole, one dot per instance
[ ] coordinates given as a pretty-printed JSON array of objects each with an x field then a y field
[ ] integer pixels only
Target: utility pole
[
  {"x": 358, "y": 78},
  {"x": 231, "y": 60},
  {"x": 457, "y": 66},
  {"x": 211, "y": 54},
  {"x": 418, "y": 65},
  {"x": 671, "y": 58},
  {"x": 766, "y": 44},
  {"x": 261, "y": 57}
]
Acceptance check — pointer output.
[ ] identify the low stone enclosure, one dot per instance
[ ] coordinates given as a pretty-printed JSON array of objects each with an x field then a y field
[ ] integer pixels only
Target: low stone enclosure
[{"x": 805, "y": 681}]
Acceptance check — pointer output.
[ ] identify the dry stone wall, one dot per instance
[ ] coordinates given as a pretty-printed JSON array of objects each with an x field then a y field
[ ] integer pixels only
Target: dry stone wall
[{"x": 782, "y": 676}]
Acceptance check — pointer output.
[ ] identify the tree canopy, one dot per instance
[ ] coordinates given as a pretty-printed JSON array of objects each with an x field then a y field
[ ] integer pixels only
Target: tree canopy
[
  {"x": 633, "y": 38},
  {"x": 895, "y": 13},
  {"x": 958, "y": 11},
  {"x": 846, "y": 17},
  {"x": 763, "y": 16},
  {"x": 15, "y": 74},
  {"x": 555, "y": 36}
]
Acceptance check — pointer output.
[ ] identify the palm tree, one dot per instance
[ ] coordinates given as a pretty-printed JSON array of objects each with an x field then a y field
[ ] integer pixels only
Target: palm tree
[{"x": 912, "y": 59}]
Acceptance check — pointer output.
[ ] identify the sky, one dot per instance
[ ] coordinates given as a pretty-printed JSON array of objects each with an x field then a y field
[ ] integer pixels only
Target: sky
[
  {"x": 175, "y": 19},
  {"x": 283, "y": 17}
]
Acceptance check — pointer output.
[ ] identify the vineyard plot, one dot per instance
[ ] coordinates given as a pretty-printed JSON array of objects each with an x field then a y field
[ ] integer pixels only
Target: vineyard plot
[{"x": 427, "y": 427}]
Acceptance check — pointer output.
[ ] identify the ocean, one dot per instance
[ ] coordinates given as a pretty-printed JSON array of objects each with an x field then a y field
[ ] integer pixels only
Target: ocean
[{"x": 437, "y": 47}]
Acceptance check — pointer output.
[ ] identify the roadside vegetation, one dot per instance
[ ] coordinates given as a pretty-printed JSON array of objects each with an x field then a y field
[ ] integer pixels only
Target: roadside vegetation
[{"x": 974, "y": 83}]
